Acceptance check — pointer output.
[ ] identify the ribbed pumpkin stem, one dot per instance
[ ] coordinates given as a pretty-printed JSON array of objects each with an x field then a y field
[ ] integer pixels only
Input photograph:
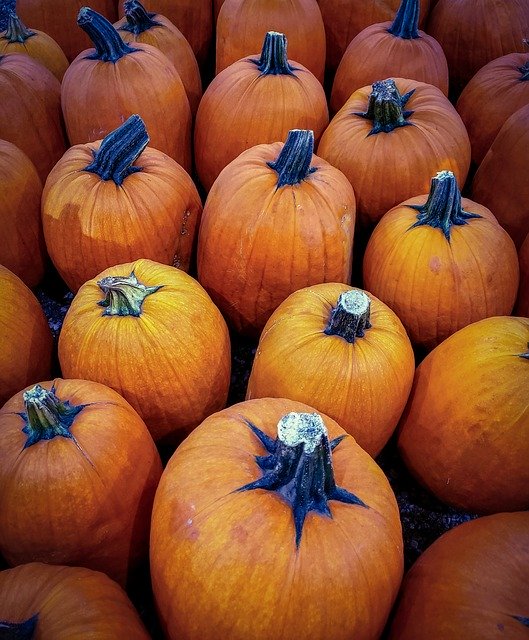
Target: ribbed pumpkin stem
[
  {"x": 293, "y": 162},
  {"x": 299, "y": 467},
  {"x": 385, "y": 107},
  {"x": 119, "y": 149},
  {"x": 443, "y": 206},
  {"x": 138, "y": 18},
  {"x": 124, "y": 295},
  {"x": 350, "y": 317},
  {"x": 19, "y": 630},
  {"x": 524, "y": 70},
  {"x": 16, "y": 30},
  {"x": 522, "y": 619},
  {"x": 273, "y": 60},
  {"x": 107, "y": 41},
  {"x": 406, "y": 22}
]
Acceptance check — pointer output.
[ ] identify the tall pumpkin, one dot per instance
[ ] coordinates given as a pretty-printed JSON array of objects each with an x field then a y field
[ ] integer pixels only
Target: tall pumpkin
[
  {"x": 277, "y": 219},
  {"x": 273, "y": 507},
  {"x": 522, "y": 302}
]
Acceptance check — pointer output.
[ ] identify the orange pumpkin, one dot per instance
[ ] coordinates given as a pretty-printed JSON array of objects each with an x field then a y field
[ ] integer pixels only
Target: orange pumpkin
[
  {"x": 273, "y": 508},
  {"x": 473, "y": 582},
  {"x": 78, "y": 471},
  {"x": 277, "y": 219},
  {"x": 343, "y": 351},
  {"x": 60, "y": 603},
  {"x": 441, "y": 262},
  {"x": 26, "y": 343},
  {"x": 465, "y": 432},
  {"x": 522, "y": 303},
  {"x": 151, "y": 332},
  {"x": 112, "y": 78},
  {"x": 117, "y": 200}
]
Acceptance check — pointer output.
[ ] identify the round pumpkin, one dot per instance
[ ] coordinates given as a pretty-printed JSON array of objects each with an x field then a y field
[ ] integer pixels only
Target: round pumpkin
[
  {"x": 78, "y": 471},
  {"x": 465, "y": 432},
  {"x": 522, "y": 302},
  {"x": 65, "y": 603},
  {"x": 267, "y": 518},
  {"x": 343, "y": 351},
  {"x": 150, "y": 332}
]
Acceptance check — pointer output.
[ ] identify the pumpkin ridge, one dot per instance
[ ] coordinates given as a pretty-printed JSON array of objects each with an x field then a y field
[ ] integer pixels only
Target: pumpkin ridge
[
  {"x": 108, "y": 43},
  {"x": 406, "y": 22}
]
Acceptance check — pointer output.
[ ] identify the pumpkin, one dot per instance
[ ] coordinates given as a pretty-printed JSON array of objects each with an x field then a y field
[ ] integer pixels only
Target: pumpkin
[
  {"x": 275, "y": 508},
  {"x": 30, "y": 110},
  {"x": 139, "y": 25},
  {"x": 112, "y": 78},
  {"x": 237, "y": 112},
  {"x": 117, "y": 200},
  {"x": 26, "y": 343},
  {"x": 500, "y": 184},
  {"x": 441, "y": 262},
  {"x": 465, "y": 432},
  {"x": 240, "y": 31},
  {"x": 151, "y": 332},
  {"x": 22, "y": 248},
  {"x": 343, "y": 351},
  {"x": 473, "y": 582},
  {"x": 389, "y": 139},
  {"x": 384, "y": 49},
  {"x": 78, "y": 471},
  {"x": 522, "y": 302},
  {"x": 39, "y": 45},
  {"x": 62, "y": 603},
  {"x": 277, "y": 219}
]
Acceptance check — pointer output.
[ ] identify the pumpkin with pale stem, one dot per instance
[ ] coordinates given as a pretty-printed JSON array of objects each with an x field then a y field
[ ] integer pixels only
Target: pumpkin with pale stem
[
  {"x": 348, "y": 355},
  {"x": 270, "y": 521},
  {"x": 522, "y": 302},
  {"x": 117, "y": 200},
  {"x": 296, "y": 208},
  {"x": 78, "y": 471},
  {"x": 441, "y": 262},
  {"x": 152, "y": 333},
  {"x": 465, "y": 431}
]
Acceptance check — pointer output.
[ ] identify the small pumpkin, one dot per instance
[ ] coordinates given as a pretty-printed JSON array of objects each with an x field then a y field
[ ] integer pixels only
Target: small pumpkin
[{"x": 522, "y": 302}]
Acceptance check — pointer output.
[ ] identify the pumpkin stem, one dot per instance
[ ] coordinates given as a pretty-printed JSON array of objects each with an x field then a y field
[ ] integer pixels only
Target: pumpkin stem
[
  {"x": 293, "y": 162},
  {"x": 299, "y": 467},
  {"x": 406, "y": 22},
  {"x": 522, "y": 619},
  {"x": 19, "y": 630},
  {"x": 16, "y": 30},
  {"x": 138, "y": 18},
  {"x": 443, "y": 207},
  {"x": 119, "y": 149},
  {"x": 349, "y": 319},
  {"x": 524, "y": 355},
  {"x": 124, "y": 295},
  {"x": 385, "y": 107},
  {"x": 46, "y": 416},
  {"x": 524, "y": 70},
  {"x": 106, "y": 40},
  {"x": 273, "y": 60}
]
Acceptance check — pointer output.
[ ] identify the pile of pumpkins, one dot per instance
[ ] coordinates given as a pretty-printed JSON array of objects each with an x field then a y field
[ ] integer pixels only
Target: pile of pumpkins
[{"x": 329, "y": 148}]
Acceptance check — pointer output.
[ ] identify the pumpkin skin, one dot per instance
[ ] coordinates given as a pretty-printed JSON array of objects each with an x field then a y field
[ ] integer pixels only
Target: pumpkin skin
[
  {"x": 304, "y": 230},
  {"x": 240, "y": 31},
  {"x": 83, "y": 499},
  {"x": 522, "y": 303},
  {"x": 93, "y": 221},
  {"x": 438, "y": 282},
  {"x": 206, "y": 537},
  {"x": 178, "y": 336},
  {"x": 465, "y": 432},
  {"x": 363, "y": 385},
  {"x": 26, "y": 343},
  {"x": 471, "y": 583},
  {"x": 389, "y": 166},
  {"x": 70, "y": 603},
  {"x": 22, "y": 248}
]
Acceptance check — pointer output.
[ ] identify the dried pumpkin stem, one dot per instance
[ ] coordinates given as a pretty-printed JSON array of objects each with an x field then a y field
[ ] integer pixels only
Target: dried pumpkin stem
[
  {"x": 406, "y": 22},
  {"x": 524, "y": 70},
  {"x": 138, "y": 18},
  {"x": 119, "y": 149},
  {"x": 385, "y": 107},
  {"x": 19, "y": 630},
  {"x": 293, "y": 162},
  {"x": 350, "y": 317},
  {"x": 106, "y": 40},
  {"x": 274, "y": 60},
  {"x": 16, "y": 30},
  {"x": 124, "y": 295}
]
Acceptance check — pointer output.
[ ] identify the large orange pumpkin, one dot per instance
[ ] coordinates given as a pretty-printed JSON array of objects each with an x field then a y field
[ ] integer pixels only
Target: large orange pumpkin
[
  {"x": 78, "y": 471},
  {"x": 465, "y": 432},
  {"x": 271, "y": 522},
  {"x": 343, "y": 351},
  {"x": 522, "y": 302}
]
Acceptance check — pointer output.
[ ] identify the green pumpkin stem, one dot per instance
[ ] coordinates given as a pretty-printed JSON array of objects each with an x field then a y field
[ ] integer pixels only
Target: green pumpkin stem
[
  {"x": 443, "y": 207},
  {"x": 16, "y": 30},
  {"x": 106, "y": 40},
  {"x": 299, "y": 467},
  {"x": 19, "y": 630},
  {"x": 124, "y": 295},
  {"x": 119, "y": 150},
  {"x": 385, "y": 107},
  {"x": 274, "y": 60},
  {"x": 406, "y": 22},
  {"x": 293, "y": 162},
  {"x": 138, "y": 18},
  {"x": 349, "y": 319}
]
